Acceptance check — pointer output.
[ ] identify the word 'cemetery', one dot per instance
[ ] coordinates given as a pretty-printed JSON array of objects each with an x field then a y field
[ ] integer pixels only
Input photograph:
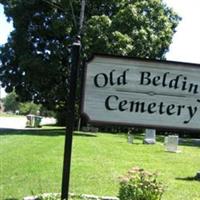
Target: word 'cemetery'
[{"x": 179, "y": 82}]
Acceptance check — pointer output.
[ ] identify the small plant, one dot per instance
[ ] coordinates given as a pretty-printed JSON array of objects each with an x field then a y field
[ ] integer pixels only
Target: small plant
[{"x": 139, "y": 184}]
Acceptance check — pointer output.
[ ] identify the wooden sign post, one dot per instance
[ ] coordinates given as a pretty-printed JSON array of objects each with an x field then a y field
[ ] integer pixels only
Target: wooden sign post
[{"x": 145, "y": 93}]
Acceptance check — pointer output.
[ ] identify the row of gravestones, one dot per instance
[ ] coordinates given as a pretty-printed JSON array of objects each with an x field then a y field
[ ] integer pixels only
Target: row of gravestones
[{"x": 170, "y": 142}]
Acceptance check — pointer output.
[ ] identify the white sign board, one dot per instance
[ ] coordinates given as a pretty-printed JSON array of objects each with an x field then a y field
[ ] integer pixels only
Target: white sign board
[{"x": 120, "y": 90}]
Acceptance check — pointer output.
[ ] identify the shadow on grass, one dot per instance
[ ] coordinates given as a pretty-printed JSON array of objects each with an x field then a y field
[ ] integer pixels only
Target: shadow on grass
[
  {"x": 43, "y": 132},
  {"x": 85, "y": 134},
  {"x": 190, "y": 142},
  {"x": 10, "y": 199},
  {"x": 192, "y": 178}
]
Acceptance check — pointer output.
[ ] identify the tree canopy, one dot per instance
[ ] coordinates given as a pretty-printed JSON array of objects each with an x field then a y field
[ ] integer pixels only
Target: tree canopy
[{"x": 35, "y": 61}]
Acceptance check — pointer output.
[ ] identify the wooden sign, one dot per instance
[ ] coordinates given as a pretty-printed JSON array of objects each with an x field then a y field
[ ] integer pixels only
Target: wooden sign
[{"x": 127, "y": 91}]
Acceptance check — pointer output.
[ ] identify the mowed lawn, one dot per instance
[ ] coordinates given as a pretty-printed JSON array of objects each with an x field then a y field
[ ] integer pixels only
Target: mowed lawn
[{"x": 31, "y": 163}]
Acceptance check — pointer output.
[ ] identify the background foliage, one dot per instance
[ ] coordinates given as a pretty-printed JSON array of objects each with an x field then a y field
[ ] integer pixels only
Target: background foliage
[
  {"x": 11, "y": 104},
  {"x": 36, "y": 59}
]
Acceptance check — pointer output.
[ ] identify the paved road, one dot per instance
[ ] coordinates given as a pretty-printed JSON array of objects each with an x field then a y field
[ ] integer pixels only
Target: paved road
[{"x": 20, "y": 122}]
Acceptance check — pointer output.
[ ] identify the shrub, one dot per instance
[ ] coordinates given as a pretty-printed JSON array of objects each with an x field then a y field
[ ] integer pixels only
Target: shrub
[
  {"x": 28, "y": 108},
  {"x": 139, "y": 184}
]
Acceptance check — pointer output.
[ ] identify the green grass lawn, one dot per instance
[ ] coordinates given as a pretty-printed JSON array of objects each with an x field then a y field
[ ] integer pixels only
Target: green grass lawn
[{"x": 31, "y": 163}]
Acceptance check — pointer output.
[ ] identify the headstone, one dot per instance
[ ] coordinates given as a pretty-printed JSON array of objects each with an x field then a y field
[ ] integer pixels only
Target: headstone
[
  {"x": 165, "y": 140},
  {"x": 90, "y": 129},
  {"x": 172, "y": 143},
  {"x": 130, "y": 138},
  {"x": 85, "y": 129},
  {"x": 130, "y": 135},
  {"x": 94, "y": 129},
  {"x": 150, "y": 136}
]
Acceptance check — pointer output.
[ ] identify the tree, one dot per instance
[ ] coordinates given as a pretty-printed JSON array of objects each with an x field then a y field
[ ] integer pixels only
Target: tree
[
  {"x": 10, "y": 103},
  {"x": 36, "y": 59}
]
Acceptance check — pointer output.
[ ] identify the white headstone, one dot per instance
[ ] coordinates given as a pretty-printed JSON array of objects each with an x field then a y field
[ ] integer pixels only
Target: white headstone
[
  {"x": 150, "y": 136},
  {"x": 165, "y": 140},
  {"x": 172, "y": 143},
  {"x": 130, "y": 138}
]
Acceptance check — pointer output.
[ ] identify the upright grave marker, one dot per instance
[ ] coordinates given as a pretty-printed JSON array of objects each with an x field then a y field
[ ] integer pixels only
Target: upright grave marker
[
  {"x": 150, "y": 136},
  {"x": 127, "y": 91},
  {"x": 172, "y": 143}
]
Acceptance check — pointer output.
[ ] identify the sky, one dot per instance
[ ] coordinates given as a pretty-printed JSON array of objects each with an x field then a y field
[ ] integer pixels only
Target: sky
[
  {"x": 5, "y": 27},
  {"x": 186, "y": 41}
]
